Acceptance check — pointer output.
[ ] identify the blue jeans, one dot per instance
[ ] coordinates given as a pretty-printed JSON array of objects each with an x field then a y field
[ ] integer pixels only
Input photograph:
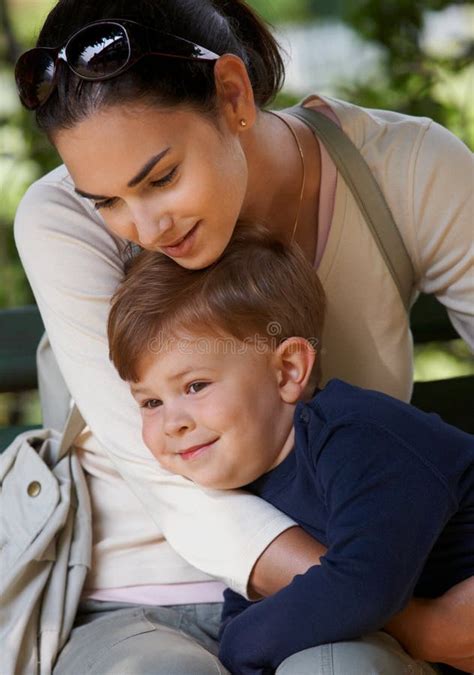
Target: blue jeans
[{"x": 122, "y": 639}]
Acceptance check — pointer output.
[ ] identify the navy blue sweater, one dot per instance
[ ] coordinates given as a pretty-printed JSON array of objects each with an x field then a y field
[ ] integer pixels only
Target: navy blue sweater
[{"x": 390, "y": 491}]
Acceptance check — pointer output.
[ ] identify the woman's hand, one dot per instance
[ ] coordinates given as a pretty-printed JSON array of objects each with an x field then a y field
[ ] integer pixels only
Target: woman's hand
[{"x": 439, "y": 630}]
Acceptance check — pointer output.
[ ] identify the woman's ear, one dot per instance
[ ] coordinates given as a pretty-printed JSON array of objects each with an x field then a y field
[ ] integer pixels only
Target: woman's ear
[
  {"x": 234, "y": 93},
  {"x": 293, "y": 361}
]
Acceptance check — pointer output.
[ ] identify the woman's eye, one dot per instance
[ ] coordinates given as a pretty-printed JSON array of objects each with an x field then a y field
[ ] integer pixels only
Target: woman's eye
[
  {"x": 105, "y": 204},
  {"x": 151, "y": 403},
  {"x": 162, "y": 182},
  {"x": 196, "y": 387}
]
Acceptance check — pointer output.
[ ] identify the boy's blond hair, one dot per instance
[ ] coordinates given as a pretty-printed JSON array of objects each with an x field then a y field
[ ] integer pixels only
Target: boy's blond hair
[{"x": 260, "y": 289}]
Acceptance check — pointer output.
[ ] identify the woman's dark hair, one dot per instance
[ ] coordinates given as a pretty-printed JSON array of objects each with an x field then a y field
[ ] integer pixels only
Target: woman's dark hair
[{"x": 223, "y": 26}]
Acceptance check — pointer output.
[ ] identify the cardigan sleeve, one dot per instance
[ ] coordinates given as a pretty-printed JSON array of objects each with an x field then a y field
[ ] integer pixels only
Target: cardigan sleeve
[
  {"x": 441, "y": 180},
  {"x": 74, "y": 265}
]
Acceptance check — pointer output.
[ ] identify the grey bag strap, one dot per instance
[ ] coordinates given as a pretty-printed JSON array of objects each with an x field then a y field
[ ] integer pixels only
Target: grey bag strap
[
  {"x": 75, "y": 423},
  {"x": 361, "y": 182},
  {"x": 55, "y": 399},
  {"x": 54, "y": 394}
]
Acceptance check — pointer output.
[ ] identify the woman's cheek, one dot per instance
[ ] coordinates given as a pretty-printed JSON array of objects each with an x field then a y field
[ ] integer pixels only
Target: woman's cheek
[{"x": 118, "y": 224}]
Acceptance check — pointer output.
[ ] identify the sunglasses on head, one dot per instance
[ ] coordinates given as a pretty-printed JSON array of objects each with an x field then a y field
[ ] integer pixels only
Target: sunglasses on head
[{"x": 99, "y": 51}]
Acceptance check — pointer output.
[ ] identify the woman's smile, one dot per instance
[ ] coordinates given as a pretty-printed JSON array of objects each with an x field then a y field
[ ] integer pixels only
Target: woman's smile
[{"x": 183, "y": 246}]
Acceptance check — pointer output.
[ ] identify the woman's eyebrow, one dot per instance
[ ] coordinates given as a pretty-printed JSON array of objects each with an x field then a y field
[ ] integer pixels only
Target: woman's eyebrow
[
  {"x": 145, "y": 170},
  {"x": 143, "y": 173}
]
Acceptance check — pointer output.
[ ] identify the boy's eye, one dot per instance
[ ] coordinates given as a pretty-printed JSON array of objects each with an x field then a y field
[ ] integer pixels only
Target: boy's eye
[
  {"x": 196, "y": 387},
  {"x": 151, "y": 403}
]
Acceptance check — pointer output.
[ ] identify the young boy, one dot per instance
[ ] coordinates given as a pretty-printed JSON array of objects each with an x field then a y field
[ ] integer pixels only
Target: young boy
[{"x": 223, "y": 363}]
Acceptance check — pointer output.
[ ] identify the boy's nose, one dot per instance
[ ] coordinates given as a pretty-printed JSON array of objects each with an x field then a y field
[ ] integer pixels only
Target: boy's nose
[{"x": 178, "y": 423}]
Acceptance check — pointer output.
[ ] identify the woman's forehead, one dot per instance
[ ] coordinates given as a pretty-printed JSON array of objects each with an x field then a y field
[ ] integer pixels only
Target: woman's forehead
[
  {"x": 127, "y": 143},
  {"x": 142, "y": 121}
]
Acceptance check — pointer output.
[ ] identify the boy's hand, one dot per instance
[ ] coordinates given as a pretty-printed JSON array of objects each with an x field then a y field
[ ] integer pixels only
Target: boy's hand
[
  {"x": 239, "y": 644},
  {"x": 234, "y": 604}
]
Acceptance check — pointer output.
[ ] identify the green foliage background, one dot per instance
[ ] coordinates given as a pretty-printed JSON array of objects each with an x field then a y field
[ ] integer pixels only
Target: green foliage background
[{"x": 411, "y": 80}]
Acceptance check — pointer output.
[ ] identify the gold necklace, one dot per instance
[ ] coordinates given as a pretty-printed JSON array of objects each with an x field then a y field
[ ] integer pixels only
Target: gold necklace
[{"x": 303, "y": 179}]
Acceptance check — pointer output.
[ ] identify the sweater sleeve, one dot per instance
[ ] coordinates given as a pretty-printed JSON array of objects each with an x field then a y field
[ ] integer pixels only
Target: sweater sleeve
[
  {"x": 74, "y": 265},
  {"x": 384, "y": 516},
  {"x": 442, "y": 174}
]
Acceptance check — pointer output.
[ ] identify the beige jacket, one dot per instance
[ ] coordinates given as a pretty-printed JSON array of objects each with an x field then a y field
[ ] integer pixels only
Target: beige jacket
[{"x": 74, "y": 264}]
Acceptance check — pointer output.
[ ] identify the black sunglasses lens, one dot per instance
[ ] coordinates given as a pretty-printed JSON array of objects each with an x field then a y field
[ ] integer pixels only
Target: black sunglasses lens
[
  {"x": 34, "y": 76},
  {"x": 98, "y": 51}
]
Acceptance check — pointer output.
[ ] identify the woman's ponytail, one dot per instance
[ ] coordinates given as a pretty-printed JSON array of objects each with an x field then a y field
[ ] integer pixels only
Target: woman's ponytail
[{"x": 263, "y": 53}]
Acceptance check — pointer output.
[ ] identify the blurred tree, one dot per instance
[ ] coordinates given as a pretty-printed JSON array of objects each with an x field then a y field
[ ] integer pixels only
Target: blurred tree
[
  {"x": 282, "y": 11},
  {"x": 24, "y": 156},
  {"x": 10, "y": 45},
  {"x": 412, "y": 74}
]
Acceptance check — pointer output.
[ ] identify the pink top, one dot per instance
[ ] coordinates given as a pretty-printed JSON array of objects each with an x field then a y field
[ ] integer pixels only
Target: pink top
[
  {"x": 211, "y": 591},
  {"x": 161, "y": 594}
]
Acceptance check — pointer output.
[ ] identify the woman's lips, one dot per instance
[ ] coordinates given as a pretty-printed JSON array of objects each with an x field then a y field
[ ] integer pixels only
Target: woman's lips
[
  {"x": 195, "y": 451},
  {"x": 183, "y": 246}
]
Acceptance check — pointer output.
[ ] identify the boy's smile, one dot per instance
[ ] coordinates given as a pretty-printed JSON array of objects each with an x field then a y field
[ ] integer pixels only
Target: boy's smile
[{"x": 212, "y": 411}]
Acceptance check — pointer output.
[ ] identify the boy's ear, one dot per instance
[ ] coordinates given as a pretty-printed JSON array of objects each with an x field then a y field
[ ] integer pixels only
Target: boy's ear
[{"x": 294, "y": 360}]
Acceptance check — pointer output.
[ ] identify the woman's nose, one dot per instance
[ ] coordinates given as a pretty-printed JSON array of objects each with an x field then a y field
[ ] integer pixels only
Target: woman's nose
[{"x": 151, "y": 229}]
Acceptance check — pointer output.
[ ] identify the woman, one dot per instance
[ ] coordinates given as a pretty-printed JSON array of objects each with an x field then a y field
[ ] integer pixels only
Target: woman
[{"x": 166, "y": 145}]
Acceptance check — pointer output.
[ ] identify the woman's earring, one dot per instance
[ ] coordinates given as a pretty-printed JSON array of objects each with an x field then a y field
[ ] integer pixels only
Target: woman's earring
[{"x": 243, "y": 123}]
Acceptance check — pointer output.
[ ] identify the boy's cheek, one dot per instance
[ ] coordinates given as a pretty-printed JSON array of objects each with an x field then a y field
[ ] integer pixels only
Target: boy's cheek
[
  {"x": 149, "y": 438},
  {"x": 154, "y": 446},
  {"x": 166, "y": 462},
  {"x": 160, "y": 457}
]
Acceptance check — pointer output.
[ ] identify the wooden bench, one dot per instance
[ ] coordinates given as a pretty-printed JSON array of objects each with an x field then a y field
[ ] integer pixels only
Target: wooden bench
[
  {"x": 20, "y": 332},
  {"x": 451, "y": 398},
  {"x": 21, "y": 329}
]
